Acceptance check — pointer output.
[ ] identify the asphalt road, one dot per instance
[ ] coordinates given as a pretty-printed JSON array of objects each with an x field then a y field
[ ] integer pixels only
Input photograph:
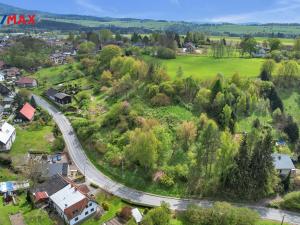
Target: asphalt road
[{"x": 79, "y": 157}]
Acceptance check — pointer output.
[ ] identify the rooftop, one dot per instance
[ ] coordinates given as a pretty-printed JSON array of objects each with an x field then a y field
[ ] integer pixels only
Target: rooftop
[
  {"x": 28, "y": 111},
  {"x": 6, "y": 131},
  {"x": 68, "y": 197},
  {"x": 282, "y": 161}
]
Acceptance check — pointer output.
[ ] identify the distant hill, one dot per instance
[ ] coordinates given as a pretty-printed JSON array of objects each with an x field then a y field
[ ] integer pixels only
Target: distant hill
[{"x": 50, "y": 21}]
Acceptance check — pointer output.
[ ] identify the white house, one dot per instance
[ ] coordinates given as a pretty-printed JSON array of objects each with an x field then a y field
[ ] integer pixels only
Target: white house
[
  {"x": 283, "y": 164},
  {"x": 7, "y": 136},
  {"x": 72, "y": 205}
]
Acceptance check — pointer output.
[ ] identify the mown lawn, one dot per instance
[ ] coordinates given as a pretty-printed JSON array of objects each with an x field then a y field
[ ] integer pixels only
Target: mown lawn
[
  {"x": 205, "y": 67},
  {"x": 31, "y": 217},
  {"x": 29, "y": 139}
]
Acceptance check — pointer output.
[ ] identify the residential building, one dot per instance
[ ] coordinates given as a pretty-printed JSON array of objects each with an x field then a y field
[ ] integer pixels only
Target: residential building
[
  {"x": 63, "y": 98},
  {"x": 26, "y": 82},
  {"x": 4, "y": 91},
  {"x": 52, "y": 169},
  {"x": 283, "y": 164},
  {"x": 137, "y": 216},
  {"x": 50, "y": 93},
  {"x": 12, "y": 73},
  {"x": 72, "y": 205},
  {"x": 7, "y": 136},
  {"x": 26, "y": 113}
]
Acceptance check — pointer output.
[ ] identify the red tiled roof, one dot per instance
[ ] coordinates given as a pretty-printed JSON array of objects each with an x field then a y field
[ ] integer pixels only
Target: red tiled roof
[
  {"x": 76, "y": 209},
  {"x": 25, "y": 80},
  {"x": 83, "y": 189},
  {"x": 40, "y": 196},
  {"x": 28, "y": 111}
]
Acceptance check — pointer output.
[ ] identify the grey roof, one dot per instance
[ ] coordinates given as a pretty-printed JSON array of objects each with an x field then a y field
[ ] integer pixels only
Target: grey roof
[
  {"x": 61, "y": 95},
  {"x": 51, "y": 92},
  {"x": 51, "y": 186},
  {"x": 52, "y": 169},
  {"x": 282, "y": 161}
]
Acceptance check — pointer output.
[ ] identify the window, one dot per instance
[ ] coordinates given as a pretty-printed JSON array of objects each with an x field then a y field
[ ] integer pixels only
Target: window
[
  {"x": 76, "y": 219},
  {"x": 92, "y": 210},
  {"x": 87, "y": 212},
  {"x": 90, "y": 204}
]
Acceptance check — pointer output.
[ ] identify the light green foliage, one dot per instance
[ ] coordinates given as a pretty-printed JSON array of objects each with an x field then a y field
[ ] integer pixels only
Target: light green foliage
[
  {"x": 86, "y": 48},
  {"x": 107, "y": 54},
  {"x": 158, "y": 216},
  {"x": 291, "y": 201},
  {"x": 221, "y": 213}
]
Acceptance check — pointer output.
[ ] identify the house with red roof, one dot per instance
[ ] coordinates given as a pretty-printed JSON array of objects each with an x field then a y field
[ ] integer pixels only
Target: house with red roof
[
  {"x": 26, "y": 82},
  {"x": 26, "y": 113}
]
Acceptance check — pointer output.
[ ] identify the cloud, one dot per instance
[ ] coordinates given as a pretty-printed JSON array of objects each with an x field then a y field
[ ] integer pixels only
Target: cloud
[
  {"x": 91, "y": 8},
  {"x": 282, "y": 11}
]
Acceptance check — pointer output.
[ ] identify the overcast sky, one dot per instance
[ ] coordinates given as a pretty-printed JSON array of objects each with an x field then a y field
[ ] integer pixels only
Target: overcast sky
[{"x": 235, "y": 11}]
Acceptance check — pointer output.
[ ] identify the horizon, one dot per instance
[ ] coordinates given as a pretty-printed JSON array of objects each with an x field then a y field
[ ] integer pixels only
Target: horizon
[{"x": 255, "y": 12}]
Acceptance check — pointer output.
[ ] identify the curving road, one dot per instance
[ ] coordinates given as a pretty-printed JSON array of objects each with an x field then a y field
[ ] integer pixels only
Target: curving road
[{"x": 79, "y": 157}]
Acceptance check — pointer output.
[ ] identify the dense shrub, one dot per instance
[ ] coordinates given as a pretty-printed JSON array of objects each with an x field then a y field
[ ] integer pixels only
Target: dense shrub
[
  {"x": 221, "y": 213},
  {"x": 160, "y": 100},
  {"x": 166, "y": 53},
  {"x": 291, "y": 201}
]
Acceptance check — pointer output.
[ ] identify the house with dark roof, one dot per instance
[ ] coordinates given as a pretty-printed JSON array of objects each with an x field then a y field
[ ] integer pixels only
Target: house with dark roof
[
  {"x": 26, "y": 114},
  {"x": 49, "y": 187},
  {"x": 283, "y": 164},
  {"x": 26, "y": 82},
  {"x": 5, "y": 91},
  {"x": 50, "y": 93},
  {"x": 63, "y": 98},
  {"x": 52, "y": 169}
]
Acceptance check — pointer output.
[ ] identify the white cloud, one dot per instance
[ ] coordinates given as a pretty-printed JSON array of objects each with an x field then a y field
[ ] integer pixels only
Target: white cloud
[
  {"x": 285, "y": 11},
  {"x": 90, "y": 8}
]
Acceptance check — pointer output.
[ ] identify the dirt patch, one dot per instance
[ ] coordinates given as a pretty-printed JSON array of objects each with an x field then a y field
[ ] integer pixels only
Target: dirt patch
[
  {"x": 50, "y": 138},
  {"x": 17, "y": 219}
]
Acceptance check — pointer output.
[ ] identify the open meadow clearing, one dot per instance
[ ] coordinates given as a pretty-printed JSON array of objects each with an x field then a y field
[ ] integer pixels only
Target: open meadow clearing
[{"x": 204, "y": 67}]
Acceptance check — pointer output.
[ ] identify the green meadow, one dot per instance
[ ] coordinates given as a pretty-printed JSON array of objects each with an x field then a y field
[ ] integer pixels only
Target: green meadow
[{"x": 205, "y": 67}]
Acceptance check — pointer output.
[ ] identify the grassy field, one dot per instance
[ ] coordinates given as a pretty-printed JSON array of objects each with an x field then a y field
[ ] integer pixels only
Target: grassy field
[
  {"x": 204, "y": 67},
  {"x": 284, "y": 41},
  {"x": 291, "y": 101},
  {"x": 55, "y": 75},
  {"x": 32, "y": 139},
  {"x": 31, "y": 217}
]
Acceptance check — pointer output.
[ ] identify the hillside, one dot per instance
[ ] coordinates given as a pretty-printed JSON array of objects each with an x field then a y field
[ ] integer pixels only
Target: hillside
[{"x": 51, "y": 21}]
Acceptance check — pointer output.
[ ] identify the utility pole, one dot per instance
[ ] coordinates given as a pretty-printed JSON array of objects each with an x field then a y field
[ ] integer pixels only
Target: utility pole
[{"x": 282, "y": 220}]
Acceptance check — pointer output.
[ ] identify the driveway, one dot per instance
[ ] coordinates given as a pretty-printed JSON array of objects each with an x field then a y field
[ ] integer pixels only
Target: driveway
[{"x": 79, "y": 157}]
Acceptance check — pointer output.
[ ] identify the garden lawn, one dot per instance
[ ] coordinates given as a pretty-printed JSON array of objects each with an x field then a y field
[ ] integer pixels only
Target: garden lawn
[
  {"x": 205, "y": 67},
  {"x": 31, "y": 217},
  {"x": 29, "y": 139},
  {"x": 54, "y": 75}
]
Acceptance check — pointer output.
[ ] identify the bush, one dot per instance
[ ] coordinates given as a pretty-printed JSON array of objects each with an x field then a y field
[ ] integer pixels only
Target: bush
[
  {"x": 93, "y": 185},
  {"x": 105, "y": 206},
  {"x": 291, "y": 201},
  {"x": 58, "y": 144},
  {"x": 160, "y": 100},
  {"x": 166, "y": 53},
  {"x": 167, "y": 181}
]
